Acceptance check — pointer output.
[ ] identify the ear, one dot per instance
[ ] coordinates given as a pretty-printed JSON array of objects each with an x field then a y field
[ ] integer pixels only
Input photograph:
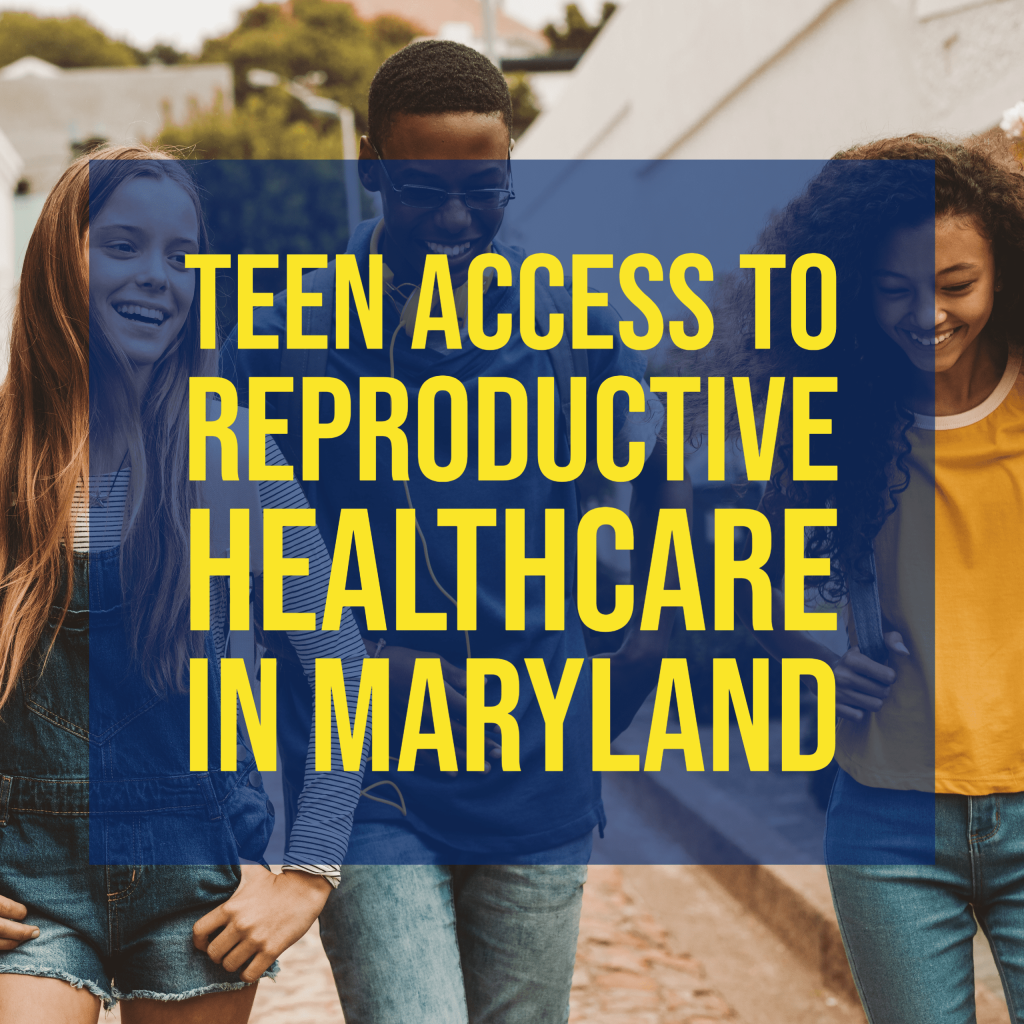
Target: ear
[{"x": 368, "y": 173}]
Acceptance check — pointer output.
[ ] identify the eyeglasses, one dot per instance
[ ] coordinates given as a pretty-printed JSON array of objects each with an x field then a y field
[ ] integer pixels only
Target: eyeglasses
[{"x": 424, "y": 197}]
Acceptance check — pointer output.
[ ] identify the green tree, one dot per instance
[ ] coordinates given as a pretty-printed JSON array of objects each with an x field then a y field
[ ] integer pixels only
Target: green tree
[
  {"x": 524, "y": 103},
  {"x": 70, "y": 42},
  {"x": 319, "y": 35},
  {"x": 163, "y": 53},
  {"x": 266, "y": 126},
  {"x": 578, "y": 33}
]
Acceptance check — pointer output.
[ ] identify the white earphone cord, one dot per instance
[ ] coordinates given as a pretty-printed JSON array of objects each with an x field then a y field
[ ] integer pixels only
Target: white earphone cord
[{"x": 408, "y": 498}]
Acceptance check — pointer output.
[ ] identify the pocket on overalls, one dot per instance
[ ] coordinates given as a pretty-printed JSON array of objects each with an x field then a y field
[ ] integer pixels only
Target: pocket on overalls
[
  {"x": 248, "y": 812},
  {"x": 55, "y": 682}
]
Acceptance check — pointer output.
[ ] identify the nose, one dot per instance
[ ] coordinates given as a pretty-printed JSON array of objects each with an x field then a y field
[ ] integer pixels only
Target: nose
[
  {"x": 455, "y": 216},
  {"x": 928, "y": 311},
  {"x": 151, "y": 272}
]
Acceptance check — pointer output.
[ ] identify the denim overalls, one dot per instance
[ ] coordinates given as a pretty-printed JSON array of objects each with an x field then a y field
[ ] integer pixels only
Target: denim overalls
[{"x": 97, "y": 804}]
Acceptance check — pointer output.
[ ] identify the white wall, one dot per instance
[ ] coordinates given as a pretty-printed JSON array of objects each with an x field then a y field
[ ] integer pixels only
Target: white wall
[
  {"x": 787, "y": 79},
  {"x": 42, "y": 117}
]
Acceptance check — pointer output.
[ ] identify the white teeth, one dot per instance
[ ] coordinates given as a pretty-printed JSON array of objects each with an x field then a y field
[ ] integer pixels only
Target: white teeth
[
  {"x": 126, "y": 309},
  {"x": 935, "y": 340},
  {"x": 450, "y": 250}
]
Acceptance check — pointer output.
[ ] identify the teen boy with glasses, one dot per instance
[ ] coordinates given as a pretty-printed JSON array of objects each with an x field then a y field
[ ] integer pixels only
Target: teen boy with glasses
[{"x": 459, "y": 898}]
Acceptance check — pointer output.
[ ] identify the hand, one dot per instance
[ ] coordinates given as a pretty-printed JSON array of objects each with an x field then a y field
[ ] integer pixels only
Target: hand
[
  {"x": 13, "y": 934},
  {"x": 640, "y": 652},
  {"x": 266, "y": 915},
  {"x": 862, "y": 685},
  {"x": 634, "y": 669},
  {"x": 401, "y": 664}
]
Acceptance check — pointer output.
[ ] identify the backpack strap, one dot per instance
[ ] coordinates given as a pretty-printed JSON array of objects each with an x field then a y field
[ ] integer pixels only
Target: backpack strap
[
  {"x": 867, "y": 610},
  {"x": 308, "y": 362}
]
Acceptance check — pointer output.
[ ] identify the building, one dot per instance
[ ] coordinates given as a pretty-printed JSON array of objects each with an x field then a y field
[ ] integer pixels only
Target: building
[
  {"x": 793, "y": 79},
  {"x": 51, "y": 114},
  {"x": 11, "y": 166},
  {"x": 460, "y": 20}
]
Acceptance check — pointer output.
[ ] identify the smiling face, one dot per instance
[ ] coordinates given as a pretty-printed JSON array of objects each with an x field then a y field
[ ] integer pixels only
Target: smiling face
[
  {"x": 934, "y": 288},
  {"x": 456, "y": 152},
  {"x": 139, "y": 288}
]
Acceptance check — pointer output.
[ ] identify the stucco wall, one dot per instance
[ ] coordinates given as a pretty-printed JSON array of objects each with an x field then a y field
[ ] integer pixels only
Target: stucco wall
[
  {"x": 42, "y": 117},
  {"x": 789, "y": 79}
]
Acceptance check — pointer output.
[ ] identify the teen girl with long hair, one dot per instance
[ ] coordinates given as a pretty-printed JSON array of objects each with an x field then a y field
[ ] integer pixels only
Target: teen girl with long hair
[
  {"x": 925, "y": 828},
  {"x": 106, "y": 835}
]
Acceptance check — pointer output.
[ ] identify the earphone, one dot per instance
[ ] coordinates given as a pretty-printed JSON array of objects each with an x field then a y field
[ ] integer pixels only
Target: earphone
[{"x": 407, "y": 321}]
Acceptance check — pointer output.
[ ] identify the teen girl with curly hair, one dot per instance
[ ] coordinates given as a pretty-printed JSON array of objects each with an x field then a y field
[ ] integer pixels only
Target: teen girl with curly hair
[{"x": 925, "y": 828}]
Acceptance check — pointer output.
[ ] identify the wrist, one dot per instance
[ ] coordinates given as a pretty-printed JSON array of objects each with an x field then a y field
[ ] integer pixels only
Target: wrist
[{"x": 317, "y": 887}]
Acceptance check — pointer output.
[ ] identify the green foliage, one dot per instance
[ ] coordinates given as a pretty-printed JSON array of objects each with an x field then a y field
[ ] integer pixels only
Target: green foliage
[
  {"x": 275, "y": 206},
  {"x": 266, "y": 126},
  {"x": 163, "y": 53},
  {"x": 524, "y": 103},
  {"x": 578, "y": 33},
  {"x": 69, "y": 42},
  {"x": 320, "y": 36}
]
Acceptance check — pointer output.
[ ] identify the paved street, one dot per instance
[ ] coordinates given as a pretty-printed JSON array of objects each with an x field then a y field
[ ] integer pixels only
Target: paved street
[
  {"x": 658, "y": 945},
  {"x": 627, "y": 971},
  {"x": 630, "y": 968}
]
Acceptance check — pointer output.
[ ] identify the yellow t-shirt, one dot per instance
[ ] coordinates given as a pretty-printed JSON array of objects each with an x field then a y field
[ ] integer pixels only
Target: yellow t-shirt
[{"x": 951, "y": 579}]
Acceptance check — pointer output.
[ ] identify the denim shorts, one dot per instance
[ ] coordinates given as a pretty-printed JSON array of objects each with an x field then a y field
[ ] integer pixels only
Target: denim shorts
[{"x": 122, "y": 932}]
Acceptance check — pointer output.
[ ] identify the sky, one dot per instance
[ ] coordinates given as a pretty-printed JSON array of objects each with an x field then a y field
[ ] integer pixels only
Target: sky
[{"x": 185, "y": 23}]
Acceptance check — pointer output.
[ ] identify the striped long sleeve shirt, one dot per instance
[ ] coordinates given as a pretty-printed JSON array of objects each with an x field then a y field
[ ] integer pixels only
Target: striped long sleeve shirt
[{"x": 327, "y": 803}]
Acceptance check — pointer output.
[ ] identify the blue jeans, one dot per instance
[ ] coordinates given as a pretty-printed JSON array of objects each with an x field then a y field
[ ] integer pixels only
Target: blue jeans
[
  {"x": 909, "y": 927},
  {"x": 438, "y": 943}
]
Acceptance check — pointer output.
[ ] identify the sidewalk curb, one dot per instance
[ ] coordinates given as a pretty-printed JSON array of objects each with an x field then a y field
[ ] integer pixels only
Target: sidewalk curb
[{"x": 792, "y": 899}]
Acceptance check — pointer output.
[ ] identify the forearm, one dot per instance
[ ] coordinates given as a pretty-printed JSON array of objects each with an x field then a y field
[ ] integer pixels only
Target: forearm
[{"x": 319, "y": 835}]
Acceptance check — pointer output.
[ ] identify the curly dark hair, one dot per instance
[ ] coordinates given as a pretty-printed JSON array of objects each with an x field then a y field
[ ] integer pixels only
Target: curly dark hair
[
  {"x": 847, "y": 212},
  {"x": 435, "y": 76}
]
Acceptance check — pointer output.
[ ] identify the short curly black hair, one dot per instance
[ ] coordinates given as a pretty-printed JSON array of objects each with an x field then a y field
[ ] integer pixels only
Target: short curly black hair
[{"x": 435, "y": 76}]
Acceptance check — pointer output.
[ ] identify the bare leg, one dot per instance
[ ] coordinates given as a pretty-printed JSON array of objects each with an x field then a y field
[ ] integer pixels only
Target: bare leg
[
  {"x": 25, "y": 999},
  {"x": 215, "y": 1008}
]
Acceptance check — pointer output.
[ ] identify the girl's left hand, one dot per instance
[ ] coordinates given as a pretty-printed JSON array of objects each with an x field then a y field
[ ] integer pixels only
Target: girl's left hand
[{"x": 266, "y": 915}]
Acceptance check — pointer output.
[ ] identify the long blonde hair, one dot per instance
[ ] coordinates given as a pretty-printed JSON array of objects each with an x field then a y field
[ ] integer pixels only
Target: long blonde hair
[{"x": 56, "y": 350}]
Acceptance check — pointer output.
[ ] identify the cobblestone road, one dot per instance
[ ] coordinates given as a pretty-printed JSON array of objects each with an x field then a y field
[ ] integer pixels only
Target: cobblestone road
[
  {"x": 630, "y": 970},
  {"x": 626, "y": 971}
]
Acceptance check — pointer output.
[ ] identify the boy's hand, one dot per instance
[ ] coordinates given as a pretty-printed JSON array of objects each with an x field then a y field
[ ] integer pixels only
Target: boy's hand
[
  {"x": 401, "y": 664},
  {"x": 13, "y": 934},
  {"x": 266, "y": 915},
  {"x": 862, "y": 685}
]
